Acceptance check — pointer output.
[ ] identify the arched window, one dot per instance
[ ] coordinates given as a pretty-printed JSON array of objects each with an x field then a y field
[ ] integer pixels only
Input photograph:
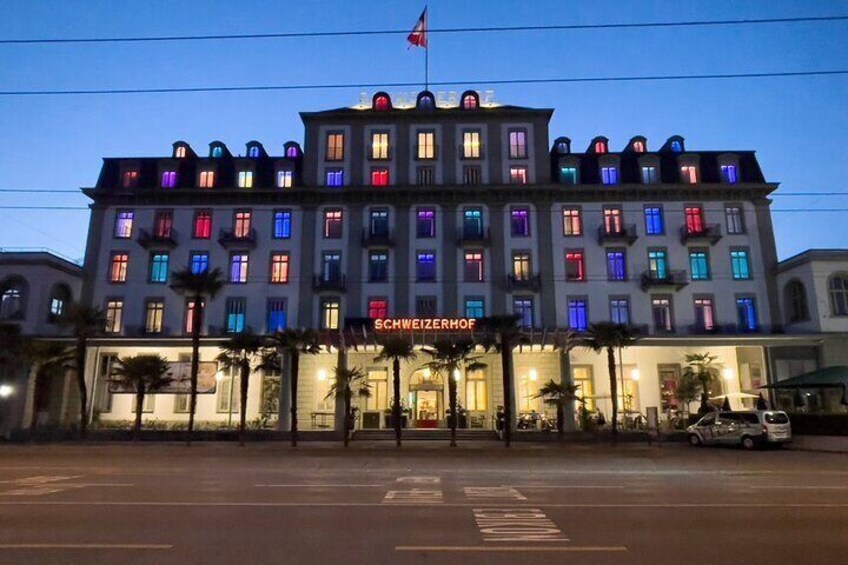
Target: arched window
[
  {"x": 180, "y": 152},
  {"x": 796, "y": 302},
  {"x": 676, "y": 146},
  {"x": 426, "y": 101},
  {"x": 217, "y": 152},
  {"x": 292, "y": 150},
  {"x": 59, "y": 299},
  {"x": 381, "y": 102},
  {"x": 838, "y": 288},
  {"x": 470, "y": 100},
  {"x": 253, "y": 151},
  {"x": 13, "y": 299},
  {"x": 639, "y": 146},
  {"x": 562, "y": 145},
  {"x": 600, "y": 147}
]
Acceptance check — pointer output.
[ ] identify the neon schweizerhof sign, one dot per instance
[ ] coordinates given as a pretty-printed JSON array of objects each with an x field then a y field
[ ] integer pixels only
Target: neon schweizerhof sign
[{"x": 424, "y": 324}]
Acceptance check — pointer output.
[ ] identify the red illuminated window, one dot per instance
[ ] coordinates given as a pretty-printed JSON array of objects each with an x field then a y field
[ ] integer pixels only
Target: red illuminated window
[
  {"x": 379, "y": 177},
  {"x": 694, "y": 219},
  {"x": 118, "y": 268},
  {"x": 575, "y": 268},
  {"x": 600, "y": 147},
  {"x": 470, "y": 101},
  {"x": 382, "y": 102},
  {"x": 203, "y": 224},
  {"x": 129, "y": 179},
  {"x": 378, "y": 308},
  {"x": 639, "y": 146}
]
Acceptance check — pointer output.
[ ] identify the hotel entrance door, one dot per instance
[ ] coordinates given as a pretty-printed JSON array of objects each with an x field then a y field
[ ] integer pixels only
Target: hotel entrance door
[{"x": 426, "y": 391}]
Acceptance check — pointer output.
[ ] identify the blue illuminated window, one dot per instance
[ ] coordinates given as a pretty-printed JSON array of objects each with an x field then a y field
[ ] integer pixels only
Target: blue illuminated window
[
  {"x": 199, "y": 263},
  {"x": 676, "y": 146},
  {"x": 578, "y": 319},
  {"x": 747, "y": 314},
  {"x": 728, "y": 173},
  {"x": 159, "y": 268},
  {"x": 276, "y": 314},
  {"x": 235, "y": 315},
  {"x": 426, "y": 266},
  {"x": 253, "y": 151},
  {"x": 282, "y": 224},
  {"x": 523, "y": 310},
  {"x": 217, "y": 152},
  {"x": 609, "y": 175},
  {"x": 739, "y": 264},
  {"x": 335, "y": 177},
  {"x": 654, "y": 220},
  {"x": 474, "y": 308},
  {"x": 616, "y": 266},
  {"x": 619, "y": 311}
]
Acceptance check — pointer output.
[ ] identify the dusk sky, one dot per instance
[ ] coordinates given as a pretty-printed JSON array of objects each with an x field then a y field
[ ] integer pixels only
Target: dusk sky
[{"x": 797, "y": 125}]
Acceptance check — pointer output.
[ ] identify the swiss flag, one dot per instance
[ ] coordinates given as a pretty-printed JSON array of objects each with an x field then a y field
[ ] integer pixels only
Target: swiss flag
[{"x": 418, "y": 36}]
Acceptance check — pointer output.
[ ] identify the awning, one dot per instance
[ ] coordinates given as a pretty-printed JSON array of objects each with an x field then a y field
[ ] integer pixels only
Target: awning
[{"x": 831, "y": 377}]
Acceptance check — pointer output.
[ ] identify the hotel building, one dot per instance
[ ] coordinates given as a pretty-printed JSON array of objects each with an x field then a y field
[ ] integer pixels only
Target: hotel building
[{"x": 435, "y": 210}]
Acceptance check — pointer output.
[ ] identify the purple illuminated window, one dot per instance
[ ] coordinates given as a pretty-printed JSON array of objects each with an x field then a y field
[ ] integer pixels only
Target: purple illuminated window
[
  {"x": 292, "y": 152},
  {"x": 169, "y": 179},
  {"x": 426, "y": 222},
  {"x": 520, "y": 222}
]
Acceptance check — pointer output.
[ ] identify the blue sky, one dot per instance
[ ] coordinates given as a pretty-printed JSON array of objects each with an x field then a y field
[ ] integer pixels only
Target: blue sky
[{"x": 797, "y": 125}]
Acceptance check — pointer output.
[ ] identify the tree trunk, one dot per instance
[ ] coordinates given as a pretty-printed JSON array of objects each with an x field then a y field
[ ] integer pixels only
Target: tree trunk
[
  {"x": 295, "y": 369},
  {"x": 196, "y": 320},
  {"x": 83, "y": 390},
  {"x": 139, "y": 406},
  {"x": 245, "y": 381},
  {"x": 346, "y": 427},
  {"x": 506, "y": 367},
  {"x": 560, "y": 411},
  {"x": 396, "y": 412},
  {"x": 454, "y": 413},
  {"x": 613, "y": 393}
]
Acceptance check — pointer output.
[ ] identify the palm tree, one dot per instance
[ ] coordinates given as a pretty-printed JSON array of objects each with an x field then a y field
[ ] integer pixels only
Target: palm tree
[
  {"x": 396, "y": 349},
  {"x": 343, "y": 387},
  {"x": 197, "y": 286},
  {"x": 448, "y": 358},
  {"x": 294, "y": 342},
  {"x": 558, "y": 395},
  {"x": 699, "y": 366},
  {"x": 502, "y": 334},
  {"x": 85, "y": 322},
  {"x": 608, "y": 336},
  {"x": 50, "y": 359},
  {"x": 142, "y": 374},
  {"x": 239, "y": 353}
]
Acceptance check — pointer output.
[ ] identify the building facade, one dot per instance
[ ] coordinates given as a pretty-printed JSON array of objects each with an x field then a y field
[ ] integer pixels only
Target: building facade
[{"x": 437, "y": 212}]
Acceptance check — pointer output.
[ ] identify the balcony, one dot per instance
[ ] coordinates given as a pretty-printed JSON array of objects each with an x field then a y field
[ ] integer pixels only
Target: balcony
[
  {"x": 229, "y": 238},
  {"x": 377, "y": 239},
  {"x": 627, "y": 234},
  {"x": 674, "y": 280},
  {"x": 725, "y": 329},
  {"x": 141, "y": 331},
  {"x": 474, "y": 238},
  {"x": 335, "y": 283},
  {"x": 533, "y": 283},
  {"x": 710, "y": 233},
  {"x": 148, "y": 240}
]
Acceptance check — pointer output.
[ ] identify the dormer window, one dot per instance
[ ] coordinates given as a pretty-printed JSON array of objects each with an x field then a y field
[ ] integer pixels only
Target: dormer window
[
  {"x": 470, "y": 100},
  {"x": 563, "y": 147},
  {"x": 217, "y": 152},
  {"x": 180, "y": 152},
  {"x": 292, "y": 150},
  {"x": 381, "y": 102},
  {"x": 676, "y": 146},
  {"x": 600, "y": 147},
  {"x": 129, "y": 179},
  {"x": 639, "y": 146},
  {"x": 729, "y": 174},
  {"x": 253, "y": 151},
  {"x": 426, "y": 101}
]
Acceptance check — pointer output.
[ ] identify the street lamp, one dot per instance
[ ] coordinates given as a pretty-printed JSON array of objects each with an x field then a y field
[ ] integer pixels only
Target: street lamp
[
  {"x": 6, "y": 391},
  {"x": 634, "y": 375},
  {"x": 727, "y": 373}
]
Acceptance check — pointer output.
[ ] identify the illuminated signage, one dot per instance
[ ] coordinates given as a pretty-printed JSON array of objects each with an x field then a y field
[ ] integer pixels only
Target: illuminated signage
[{"x": 424, "y": 324}]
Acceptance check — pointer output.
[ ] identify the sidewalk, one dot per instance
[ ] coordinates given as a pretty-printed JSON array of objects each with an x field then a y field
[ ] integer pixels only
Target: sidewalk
[{"x": 828, "y": 444}]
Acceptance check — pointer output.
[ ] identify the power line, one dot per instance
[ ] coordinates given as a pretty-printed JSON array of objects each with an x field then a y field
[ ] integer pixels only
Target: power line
[
  {"x": 446, "y": 30},
  {"x": 335, "y": 86},
  {"x": 792, "y": 210}
]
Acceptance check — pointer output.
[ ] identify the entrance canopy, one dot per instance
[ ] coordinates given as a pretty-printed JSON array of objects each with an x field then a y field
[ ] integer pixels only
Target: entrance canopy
[{"x": 831, "y": 377}]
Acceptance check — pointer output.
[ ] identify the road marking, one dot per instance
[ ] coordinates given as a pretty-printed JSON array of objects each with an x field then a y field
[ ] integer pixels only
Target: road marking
[
  {"x": 791, "y": 487},
  {"x": 485, "y": 493},
  {"x": 420, "y": 480},
  {"x": 130, "y": 546},
  {"x": 519, "y": 549},
  {"x": 510, "y": 524},
  {"x": 416, "y": 496},
  {"x": 588, "y": 487},
  {"x": 318, "y": 486},
  {"x": 588, "y": 506}
]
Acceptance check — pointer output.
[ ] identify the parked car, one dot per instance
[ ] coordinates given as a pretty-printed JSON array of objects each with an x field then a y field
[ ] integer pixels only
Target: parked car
[{"x": 749, "y": 428}]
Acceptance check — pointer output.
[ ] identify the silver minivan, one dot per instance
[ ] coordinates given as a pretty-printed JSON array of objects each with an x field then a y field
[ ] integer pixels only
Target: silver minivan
[{"x": 748, "y": 428}]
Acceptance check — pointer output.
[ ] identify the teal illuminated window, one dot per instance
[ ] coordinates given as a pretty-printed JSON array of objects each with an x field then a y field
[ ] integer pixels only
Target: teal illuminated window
[
  {"x": 159, "y": 268},
  {"x": 658, "y": 264},
  {"x": 474, "y": 308},
  {"x": 739, "y": 264},
  {"x": 568, "y": 175},
  {"x": 699, "y": 264}
]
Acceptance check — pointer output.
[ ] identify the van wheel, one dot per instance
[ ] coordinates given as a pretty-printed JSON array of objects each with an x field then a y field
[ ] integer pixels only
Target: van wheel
[
  {"x": 748, "y": 443},
  {"x": 694, "y": 440}
]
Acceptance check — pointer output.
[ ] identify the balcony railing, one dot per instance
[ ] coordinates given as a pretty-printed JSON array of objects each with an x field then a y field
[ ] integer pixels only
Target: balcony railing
[
  {"x": 147, "y": 239},
  {"x": 370, "y": 239},
  {"x": 142, "y": 331},
  {"x": 532, "y": 283},
  {"x": 627, "y": 234},
  {"x": 710, "y": 233},
  {"x": 670, "y": 279},
  {"x": 474, "y": 237},
  {"x": 336, "y": 283},
  {"x": 229, "y": 238},
  {"x": 725, "y": 329}
]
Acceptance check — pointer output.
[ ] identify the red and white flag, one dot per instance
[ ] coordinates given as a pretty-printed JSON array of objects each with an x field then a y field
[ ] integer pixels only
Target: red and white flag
[{"x": 418, "y": 36}]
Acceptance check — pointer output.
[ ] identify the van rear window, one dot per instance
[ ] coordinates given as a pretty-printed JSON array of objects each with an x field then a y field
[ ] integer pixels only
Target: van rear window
[
  {"x": 776, "y": 418},
  {"x": 750, "y": 419}
]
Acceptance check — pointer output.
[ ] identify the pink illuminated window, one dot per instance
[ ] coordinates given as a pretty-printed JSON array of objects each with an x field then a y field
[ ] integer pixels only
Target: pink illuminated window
[
  {"x": 129, "y": 179},
  {"x": 689, "y": 174},
  {"x": 180, "y": 152},
  {"x": 639, "y": 146},
  {"x": 575, "y": 268},
  {"x": 378, "y": 308},
  {"x": 469, "y": 102},
  {"x": 203, "y": 224},
  {"x": 380, "y": 177},
  {"x": 694, "y": 219},
  {"x": 207, "y": 179},
  {"x": 600, "y": 147}
]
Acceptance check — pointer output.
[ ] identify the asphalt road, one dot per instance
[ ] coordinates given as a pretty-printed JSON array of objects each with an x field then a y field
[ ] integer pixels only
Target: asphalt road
[{"x": 218, "y": 503}]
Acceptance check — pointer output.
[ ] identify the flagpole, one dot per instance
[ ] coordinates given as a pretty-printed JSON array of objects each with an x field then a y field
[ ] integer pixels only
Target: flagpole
[{"x": 426, "y": 49}]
